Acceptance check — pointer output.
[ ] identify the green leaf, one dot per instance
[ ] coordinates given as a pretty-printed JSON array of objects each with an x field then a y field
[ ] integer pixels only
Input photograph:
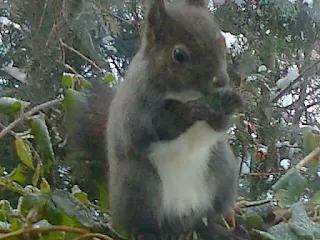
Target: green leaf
[
  {"x": 80, "y": 195},
  {"x": 9, "y": 106},
  {"x": 5, "y": 205},
  {"x": 3, "y": 216},
  {"x": 282, "y": 183},
  {"x": 72, "y": 207},
  {"x": 44, "y": 185},
  {"x": 67, "y": 80},
  {"x": 72, "y": 102},
  {"x": 284, "y": 198},
  {"x": 40, "y": 131},
  {"x": 24, "y": 152},
  {"x": 32, "y": 200},
  {"x": 108, "y": 78},
  {"x": 36, "y": 175},
  {"x": 289, "y": 187},
  {"x": 265, "y": 235},
  {"x": 121, "y": 231},
  {"x": 253, "y": 222},
  {"x": 53, "y": 214},
  {"x": 5, "y": 210},
  {"x": 282, "y": 231},
  {"x": 316, "y": 198},
  {"x": 103, "y": 194},
  {"x": 5, "y": 225},
  {"x": 11, "y": 185},
  {"x": 57, "y": 236},
  {"x": 17, "y": 175},
  {"x": 301, "y": 224},
  {"x": 15, "y": 225},
  {"x": 310, "y": 142},
  {"x": 75, "y": 210},
  {"x": 72, "y": 98},
  {"x": 3, "y": 220},
  {"x": 85, "y": 83}
]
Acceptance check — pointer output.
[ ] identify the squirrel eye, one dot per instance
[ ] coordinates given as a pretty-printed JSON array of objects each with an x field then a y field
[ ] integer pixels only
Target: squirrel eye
[{"x": 180, "y": 55}]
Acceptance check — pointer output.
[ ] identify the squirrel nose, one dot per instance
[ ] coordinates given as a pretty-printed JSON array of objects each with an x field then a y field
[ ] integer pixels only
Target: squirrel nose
[
  {"x": 218, "y": 81},
  {"x": 221, "y": 80}
]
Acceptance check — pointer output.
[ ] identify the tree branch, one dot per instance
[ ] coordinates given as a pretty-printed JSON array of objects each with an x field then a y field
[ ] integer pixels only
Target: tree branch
[
  {"x": 314, "y": 154},
  {"x": 32, "y": 111},
  {"x": 247, "y": 204},
  {"x": 81, "y": 55},
  {"x": 25, "y": 231}
]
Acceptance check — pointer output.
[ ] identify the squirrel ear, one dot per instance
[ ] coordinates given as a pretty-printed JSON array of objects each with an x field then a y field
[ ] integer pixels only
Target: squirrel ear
[
  {"x": 198, "y": 3},
  {"x": 155, "y": 17}
]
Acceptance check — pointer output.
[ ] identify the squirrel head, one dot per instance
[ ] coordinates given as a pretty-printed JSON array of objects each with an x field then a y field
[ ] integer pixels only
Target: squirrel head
[{"x": 184, "y": 46}]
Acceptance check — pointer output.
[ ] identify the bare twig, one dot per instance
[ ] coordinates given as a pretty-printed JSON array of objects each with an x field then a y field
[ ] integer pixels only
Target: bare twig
[
  {"x": 81, "y": 55},
  {"x": 122, "y": 19},
  {"x": 3, "y": 230},
  {"x": 12, "y": 187},
  {"x": 257, "y": 174},
  {"x": 114, "y": 15},
  {"x": 246, "y": 204},
  {"x": 11, "y": 132},
  {"x": 27, "y": 115},
  {"x": 314, "y": 154},
  {"x": 116, "y": 66},
  {"x": 311, "y": 105},
  {"x": 43, "y": 13},
  {"x": 72, "y": 69},
  {"x": 315, "y": 219},
  {"x": 93, "y": 236},
  {"x": 25, "y": 231},
  {"x": 241, "y": 164}
]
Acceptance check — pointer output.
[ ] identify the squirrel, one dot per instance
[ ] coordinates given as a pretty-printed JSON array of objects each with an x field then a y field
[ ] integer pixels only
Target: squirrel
[{"x": 169, "y": 161}]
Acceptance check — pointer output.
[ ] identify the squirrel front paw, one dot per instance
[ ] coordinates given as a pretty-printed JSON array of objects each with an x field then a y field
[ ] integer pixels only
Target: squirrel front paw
[
  {"x": 200, "y": 110},
  {"x": 225, "y": 101},
  {"x": 191, "y": 111}
]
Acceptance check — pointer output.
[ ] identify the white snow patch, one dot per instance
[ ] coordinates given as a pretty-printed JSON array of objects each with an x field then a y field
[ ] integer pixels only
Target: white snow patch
[
  {"x": 285, "y": 163},
  {"x": 284, "y": 82}
]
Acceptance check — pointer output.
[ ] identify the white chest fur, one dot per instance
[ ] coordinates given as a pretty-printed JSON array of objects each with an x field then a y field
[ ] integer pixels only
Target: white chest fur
[{"x": 182, "y": 165}]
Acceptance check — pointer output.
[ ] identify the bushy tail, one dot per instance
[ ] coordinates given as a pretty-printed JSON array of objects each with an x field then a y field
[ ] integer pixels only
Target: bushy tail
[{"x": 87, "y": 154}]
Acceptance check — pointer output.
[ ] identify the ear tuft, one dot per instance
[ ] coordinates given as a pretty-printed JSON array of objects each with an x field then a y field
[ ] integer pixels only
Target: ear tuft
[
  {"x": 197, "y": 3},
  {"x": 155, "y": 16}
]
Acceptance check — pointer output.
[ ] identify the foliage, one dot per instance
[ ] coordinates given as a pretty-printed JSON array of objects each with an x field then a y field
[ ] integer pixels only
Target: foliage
[{"x": 59, "y": 48}]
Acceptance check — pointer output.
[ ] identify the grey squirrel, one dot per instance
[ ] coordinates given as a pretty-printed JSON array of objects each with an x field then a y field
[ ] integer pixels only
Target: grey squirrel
[{"x": 169, "y": 161}]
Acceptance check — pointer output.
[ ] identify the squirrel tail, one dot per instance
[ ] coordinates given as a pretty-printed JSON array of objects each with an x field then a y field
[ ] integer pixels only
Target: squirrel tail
[{"x": 87, "y": 136}]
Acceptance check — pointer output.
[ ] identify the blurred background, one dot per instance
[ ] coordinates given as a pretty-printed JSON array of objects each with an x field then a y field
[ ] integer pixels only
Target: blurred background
[{"x": 51, "y": 46}]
